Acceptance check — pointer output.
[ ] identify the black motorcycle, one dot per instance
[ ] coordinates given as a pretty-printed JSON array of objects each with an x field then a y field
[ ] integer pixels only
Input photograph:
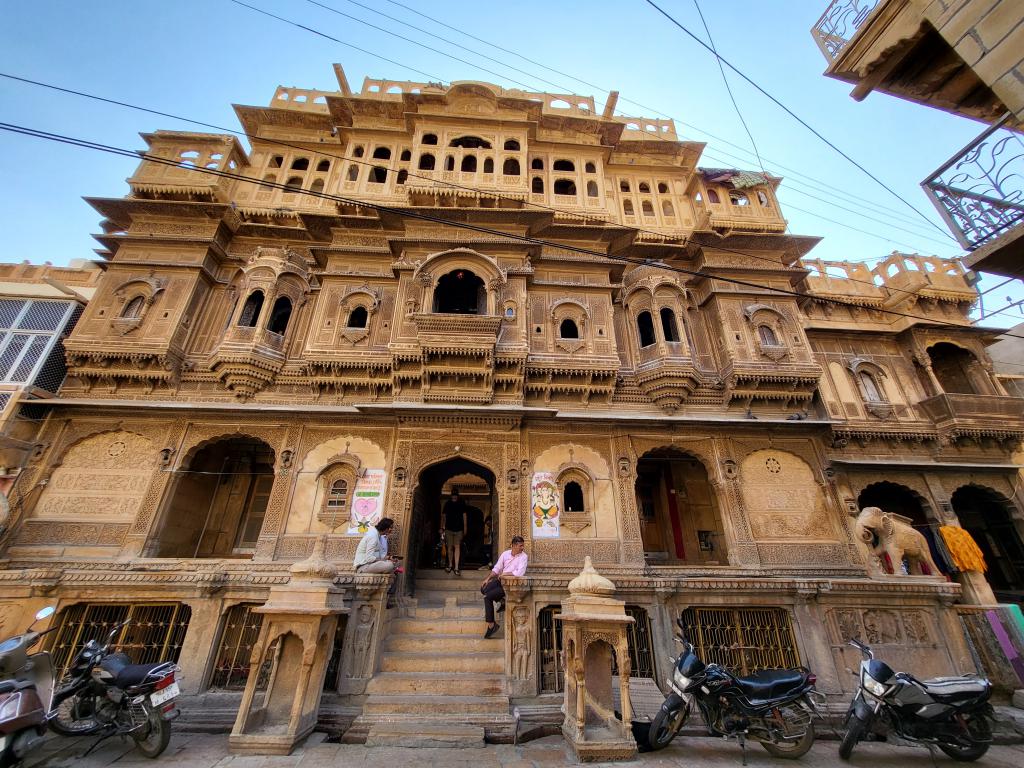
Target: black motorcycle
[
  {"x": 104, "y": 693},
  {"x": 951, "y": 713},
  {"x": 772, "y": 707}
]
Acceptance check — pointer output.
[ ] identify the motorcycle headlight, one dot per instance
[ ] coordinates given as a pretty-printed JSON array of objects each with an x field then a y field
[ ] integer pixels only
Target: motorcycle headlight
[
  {"x": 873, "y": 686},
  {"x": 681, "y": 681}
]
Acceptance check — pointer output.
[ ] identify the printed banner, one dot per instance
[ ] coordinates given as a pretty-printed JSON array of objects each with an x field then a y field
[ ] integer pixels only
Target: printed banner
[
  {"x": 545, "y": 506},
  {"x": 367, "y": 501}
]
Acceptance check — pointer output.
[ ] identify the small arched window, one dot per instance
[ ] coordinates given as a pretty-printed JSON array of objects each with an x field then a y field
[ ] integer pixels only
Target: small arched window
[
  {"x": 738, "y": 198},
  {"x": 568, "y": 329},
  {"x": 357, "y": 318},
  {"x": 512, "y": 145},
  {"x": 323, "y": 166},
  {"x": 572, "y": 497},
  {"x": 563, "y": 165},
  {"x": 426, "y": 162},
  {"x": 645, "y": 328},
  {"x": 767, "y": 336},
  {"x": 276, "y": 161},
  {"x": 378, "y": 174},
  {"x": 644, "y": 187},
  {"x": 537, "y": 164},
  {"x": 270, "y": 178},
  {"x": 357, "y": 152},
  {"x": 468, "y": 164},
  {"x": 336, "y": 504},
  {"x": 251, "y": 310},
  {"x": 280, "y": 315},
  {"x": 565, "y": 187},
  {"x": 300, "y": 164},
  {"x": 662, "y": 188},
  {"x": 591, "y": 189},
  {"x": 537, "y": 185},
  {"x": 762, "y": 198},
  {"x": 353, "y": 173},
  {"x": 295, "y": 182},
  {"x": 430, "y": 138},
  {"x": 402, "y": 176},
  {"x": 648, "y": 209},
  {"x": 872, "y": 392},
  {"x": 449, "y": 163},
  {"x": 590, "y": 168},
  {"x": 317, "y": 186},
  {"x": 667, "y": 209},
  {"x": 510, "y": 167},
  {"x": 382, "y": 153},
  {"x": 470, "y": 142},
  {"x": 669, "y": 328},
  {"x": 627, "y": 207},
  {"x": 406, "y": 156},
  {"x": 133, "y": 309},
  {"x": 623, "y": 185},
  {"x": 488, "y": 165},
  {"x": 713, "y": 197}
]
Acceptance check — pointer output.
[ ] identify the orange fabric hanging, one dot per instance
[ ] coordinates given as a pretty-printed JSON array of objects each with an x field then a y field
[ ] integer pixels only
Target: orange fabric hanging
[{"x": 963, "y": 549}]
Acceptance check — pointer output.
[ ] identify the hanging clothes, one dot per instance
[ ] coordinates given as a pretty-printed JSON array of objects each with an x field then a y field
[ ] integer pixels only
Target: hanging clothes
[{"x": 963, "y": 549}]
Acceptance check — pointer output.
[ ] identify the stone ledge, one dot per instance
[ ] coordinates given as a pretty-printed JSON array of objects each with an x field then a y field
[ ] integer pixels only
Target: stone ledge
[{"x": 423, "y": 735}]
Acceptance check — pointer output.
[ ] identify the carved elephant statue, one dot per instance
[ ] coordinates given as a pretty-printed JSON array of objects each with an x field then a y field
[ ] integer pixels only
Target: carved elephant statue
[{"x": 884, "y": 534}]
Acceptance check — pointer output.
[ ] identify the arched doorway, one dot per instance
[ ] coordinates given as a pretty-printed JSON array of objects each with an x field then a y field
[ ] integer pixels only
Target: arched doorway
[
  {"x": 460, "y": 292},
  {"x": 679, "y": 520},
  {"x": 986, "y": 516},
  {"x": 476, "y": 487},
  {"x": 895, "y": 498},
  {"x": 218, "y": 501}
]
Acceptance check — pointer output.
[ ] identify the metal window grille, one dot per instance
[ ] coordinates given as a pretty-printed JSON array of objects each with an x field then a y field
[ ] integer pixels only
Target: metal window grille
[
  {"x": 744, "y": 640},
  {"x": 156, "y": 631},
  {"x": 238, "y": 635},
  {"x": 10, "y": 309},
  {"x": 638, "y": 637},
  {"x": 30, "y": 341}
]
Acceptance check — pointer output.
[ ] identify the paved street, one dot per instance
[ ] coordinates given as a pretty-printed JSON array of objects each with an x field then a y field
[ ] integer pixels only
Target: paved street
[{"x": 207, "y": 751}]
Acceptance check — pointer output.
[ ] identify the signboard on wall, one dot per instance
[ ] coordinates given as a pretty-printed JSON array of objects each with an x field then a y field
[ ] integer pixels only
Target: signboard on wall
[
  {"x": 367, "y": 501},
  {"x": 544, "y": 510}
]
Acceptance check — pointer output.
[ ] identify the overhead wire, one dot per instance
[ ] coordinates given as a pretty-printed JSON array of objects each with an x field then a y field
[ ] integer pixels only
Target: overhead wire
[
  {"x": 419, "y": 215},
  {"x": 320, "y": 152}
]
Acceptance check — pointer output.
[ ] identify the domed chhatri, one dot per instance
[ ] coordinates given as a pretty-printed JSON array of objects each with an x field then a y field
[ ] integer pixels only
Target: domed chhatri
[{"x": 590, "y": 582}]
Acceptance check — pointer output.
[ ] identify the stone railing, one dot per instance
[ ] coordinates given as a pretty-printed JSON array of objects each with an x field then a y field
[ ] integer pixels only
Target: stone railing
[
  {"x": 984, "y": 411},
  {"x": 980, "y": 190},
  {"x": 839, "y": 23}
]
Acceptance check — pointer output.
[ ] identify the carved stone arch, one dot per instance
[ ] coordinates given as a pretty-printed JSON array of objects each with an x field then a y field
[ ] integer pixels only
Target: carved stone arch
[
  {"x": 705, "y": 455},
  {"x": 915, "y": 488},
  {"x": 436, "y": 265},
  {"x": 148, "y": 287},
  {"x": 362, "y": 296},
  {"x": 778, "y": 323},
  {"x": 270, "y": 436},
  {"x": 88, "y": 431}
]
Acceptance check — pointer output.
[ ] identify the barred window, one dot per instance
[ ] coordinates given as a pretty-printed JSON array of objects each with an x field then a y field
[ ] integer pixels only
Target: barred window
[
  {"x": 29, "y": 333},
  {"x": 238, "y": 635},
  {"x": 155, "y": 633},
  {"x": 743, "y": 640}
]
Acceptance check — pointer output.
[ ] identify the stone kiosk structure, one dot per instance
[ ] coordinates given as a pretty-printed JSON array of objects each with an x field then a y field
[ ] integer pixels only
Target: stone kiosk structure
[{"x": 413, "y": 288}]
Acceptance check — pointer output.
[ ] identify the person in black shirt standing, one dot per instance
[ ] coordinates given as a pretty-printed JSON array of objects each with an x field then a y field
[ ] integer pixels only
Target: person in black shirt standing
[{"x": 453, "y": 528}]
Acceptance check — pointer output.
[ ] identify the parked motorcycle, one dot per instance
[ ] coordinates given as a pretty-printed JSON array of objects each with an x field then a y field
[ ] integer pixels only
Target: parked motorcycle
[
  {"x": 772, "y": 707},
  {"x": 951, "y": 713},
  {"x": 104, "y": 693},
  {"x": 26, "y": 686}
]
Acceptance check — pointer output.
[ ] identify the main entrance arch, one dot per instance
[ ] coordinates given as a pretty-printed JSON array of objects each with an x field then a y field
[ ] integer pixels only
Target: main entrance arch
[
  {"x": 985, "y": 514},
  {"x": 476, "y": 486}
]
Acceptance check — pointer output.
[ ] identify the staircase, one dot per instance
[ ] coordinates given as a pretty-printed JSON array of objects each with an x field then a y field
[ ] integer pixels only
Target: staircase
[{"x": 440, "y": 683}]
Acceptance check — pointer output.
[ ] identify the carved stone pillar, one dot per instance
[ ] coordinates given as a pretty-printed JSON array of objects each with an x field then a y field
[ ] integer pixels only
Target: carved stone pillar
[
  {"x": 364, "y": 634},
  {"x": 520, "y": 639},
  {"x": 281, "y": 493},
  {"x": 629, "y": 516}
]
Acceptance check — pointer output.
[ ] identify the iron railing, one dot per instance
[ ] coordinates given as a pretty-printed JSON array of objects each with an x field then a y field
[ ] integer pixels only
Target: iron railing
[
  {"x": 744, "y": 640},
  {"x": 839, "y": 23},
  {"x": 980, "y": 190}
]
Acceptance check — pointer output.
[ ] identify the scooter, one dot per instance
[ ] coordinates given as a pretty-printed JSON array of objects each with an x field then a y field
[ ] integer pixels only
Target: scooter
[{"x": 26, "y": 691}]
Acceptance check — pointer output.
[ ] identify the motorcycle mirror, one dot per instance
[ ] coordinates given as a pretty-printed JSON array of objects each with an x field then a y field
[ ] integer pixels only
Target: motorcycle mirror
[{"x": 45, "y": 613}]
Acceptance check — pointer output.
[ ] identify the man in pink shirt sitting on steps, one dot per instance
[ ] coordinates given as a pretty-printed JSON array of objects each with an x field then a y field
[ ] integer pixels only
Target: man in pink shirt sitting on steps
[{"x": 511, "y": 563}]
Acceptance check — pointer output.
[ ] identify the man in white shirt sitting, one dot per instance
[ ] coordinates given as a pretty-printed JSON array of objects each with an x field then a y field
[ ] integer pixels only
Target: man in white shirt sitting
[
  {"x": 372, "y": 552},
  {"x": 512, "y": 562}
]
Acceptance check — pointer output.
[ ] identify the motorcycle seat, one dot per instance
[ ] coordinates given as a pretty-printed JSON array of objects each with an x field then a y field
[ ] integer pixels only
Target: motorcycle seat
[
  {"x": 771, "y": 683},
  {"x": 125, "y": 673},
  {"x": 956, "y": 688}
]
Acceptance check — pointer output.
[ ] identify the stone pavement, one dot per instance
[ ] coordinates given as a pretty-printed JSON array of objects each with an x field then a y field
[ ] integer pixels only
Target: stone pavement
[{"x": 193, "y": 750}]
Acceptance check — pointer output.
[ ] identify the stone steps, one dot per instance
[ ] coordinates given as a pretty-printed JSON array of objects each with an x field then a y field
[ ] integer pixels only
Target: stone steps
[
  {"x": 425, "y": 735},
  {"x": 418, "y": 626},
  {"x": 427, "y": 643},
  {"x": 442, "y": 662},
  {"x": 436, "y": 684},
  {"x": 445, "y": 707}
]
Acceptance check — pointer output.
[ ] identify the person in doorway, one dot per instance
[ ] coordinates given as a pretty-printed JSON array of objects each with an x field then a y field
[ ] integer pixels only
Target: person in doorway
[
  {"x": 372, "y": 554},
  {"x": 453, "y": 528},
  {"x": 511, "y": 562}
]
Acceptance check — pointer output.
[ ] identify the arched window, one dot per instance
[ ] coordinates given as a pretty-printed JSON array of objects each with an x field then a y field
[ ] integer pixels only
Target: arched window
[
  {"x": 572, "y": 497},
  {"x": 300, "y": 164},
  {"x": 872, "y": 392},
  {"x": 357, "y": 318},
  {"x": 276, "y": 161},
  {"x": 627, "y": 207},
  {"x": 449, "y": 163},
  {"x": 568, "y": 330},
  {"x": 382, "y": 153},
  {"x": 591, "y": 189},
  {"x": 460, "y": 292},
  {"x": 713, "y": 197},
  {"x": 662, "y": 188},
  {"x": 667, "y": 209},
  {"x": 280, "y": 315},
  {"x": 767, "y": 336},
  {"x": 669, "y": 328},
  {"x": 133, "y": 309},
  {"x": 762, "y": 198},
  {"x": 336, "y": 508},
  {"x": 563, "y": 165},
  {"x": 470, "y": 142},
  {"x": 645, "y": 327},
  {"x": 512, "y": 145},
  {"x": 488, "y": 165},
  {"x": 738, "y": 198},
  {"x": 565, "y": 187},
  {"x": 537, "y": 185},
  {"x": 378, "y": 174},
  {"x": 623, "y": 185},
  {"x": 430, "y": 138},
  {"x": 357, "y": 152},
  {"x": 402, "y": 176},
  {"x": 353, "y": 173},
  {"x": 323, "y": 166},
  {"x": 590, "y": 168},
  {"x": 317, "y": 185},
  {"x": 468, "y": 164},
  {"x": 251, "y": 310},
  {"x": 510, "y": 167},
  {"x": 270, "y": 178},
  {"x": 426, "y": 162},
  {"x": 537, "y": 164},
  {"x": 645, "y": 187},
  {"x": 647, "y": 208},
  {"x": 406, "y": 156},
  {"x": 295, "y": 182}
]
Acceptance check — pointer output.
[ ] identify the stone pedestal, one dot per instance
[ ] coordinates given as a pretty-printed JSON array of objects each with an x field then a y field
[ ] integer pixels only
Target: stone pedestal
[
  {"x": 593, "y": 625},
  {"x": 290, "y": 660}
]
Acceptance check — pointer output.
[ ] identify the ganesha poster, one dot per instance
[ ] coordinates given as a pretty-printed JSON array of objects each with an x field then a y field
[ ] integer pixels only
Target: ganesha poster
[{"x": 544, "y": 517}]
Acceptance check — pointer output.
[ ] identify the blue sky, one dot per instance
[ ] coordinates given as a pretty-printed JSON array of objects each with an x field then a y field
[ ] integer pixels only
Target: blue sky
[{"x": 195, "y": 58}]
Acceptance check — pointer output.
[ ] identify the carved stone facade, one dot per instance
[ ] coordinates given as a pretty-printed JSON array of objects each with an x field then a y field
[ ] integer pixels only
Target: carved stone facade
[{"x": 297, "y": 357}]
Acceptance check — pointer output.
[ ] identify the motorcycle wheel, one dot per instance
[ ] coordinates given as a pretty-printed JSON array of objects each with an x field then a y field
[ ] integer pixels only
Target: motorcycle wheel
[
  {"x": 665, "y": 726},
  {"x": 855, "y": 729},
  {"x": 980, "y": 727},
  {"x": 793, "y": 749},
  {"x": 153, "y": 739},
  {"x": 69, "y": 719}
]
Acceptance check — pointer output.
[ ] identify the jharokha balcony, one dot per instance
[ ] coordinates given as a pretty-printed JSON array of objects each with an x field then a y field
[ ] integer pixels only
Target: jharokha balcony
[{"x": 970, "y": 415}]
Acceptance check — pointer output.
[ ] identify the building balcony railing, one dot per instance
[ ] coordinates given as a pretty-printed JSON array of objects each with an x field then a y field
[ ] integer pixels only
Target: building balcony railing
[
  {"x": 983, "y": 412},
  {"x": 839, "y": 23},
  {"x": 980, "y": 190}
]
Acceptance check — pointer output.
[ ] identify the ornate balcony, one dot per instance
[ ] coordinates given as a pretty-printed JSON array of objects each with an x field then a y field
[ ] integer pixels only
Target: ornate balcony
[
  {"x": 980, "y": 190},
  {"x": 968, "y": 415},
  {"x": 838, "y": 24}
]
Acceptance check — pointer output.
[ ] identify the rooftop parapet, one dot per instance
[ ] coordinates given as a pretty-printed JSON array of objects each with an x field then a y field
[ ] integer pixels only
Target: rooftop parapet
[
  {"x": 928, "y": 276},
  {"x": 304, "y": 99},
  {"x": 188, "y": 150},
  {"x": 849, "y": 280}
]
